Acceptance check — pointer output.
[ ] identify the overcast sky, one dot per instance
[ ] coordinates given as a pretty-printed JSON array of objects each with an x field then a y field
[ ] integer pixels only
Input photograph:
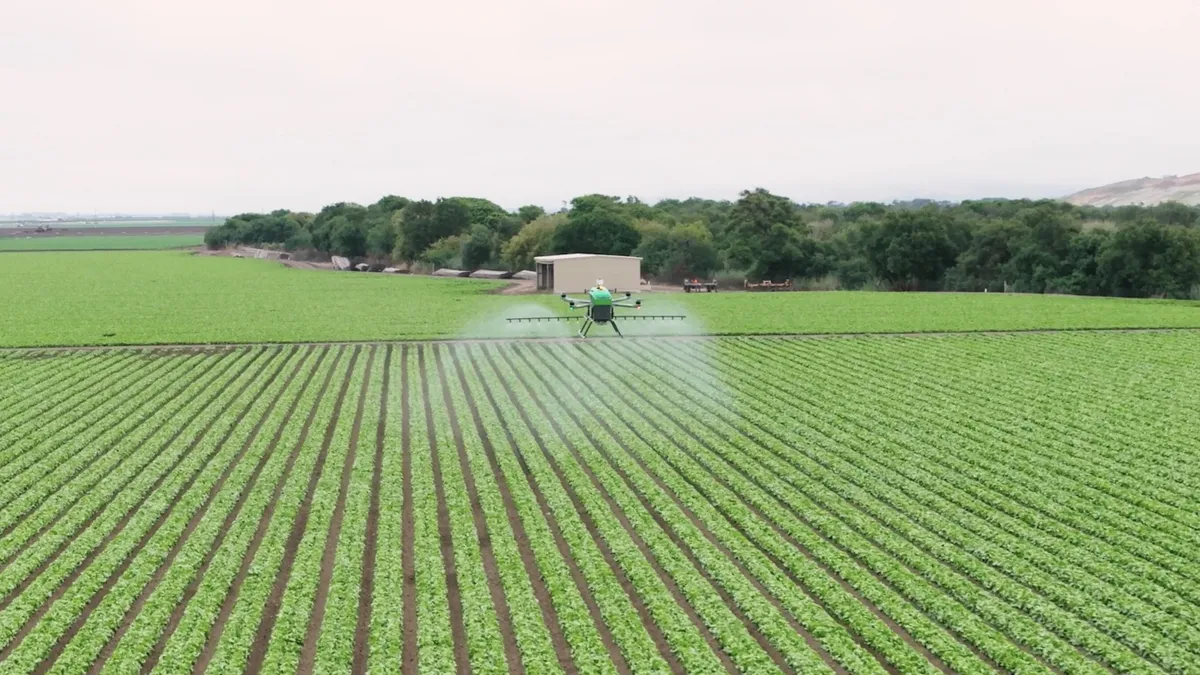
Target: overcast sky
[{"x": 235, "y": 105}]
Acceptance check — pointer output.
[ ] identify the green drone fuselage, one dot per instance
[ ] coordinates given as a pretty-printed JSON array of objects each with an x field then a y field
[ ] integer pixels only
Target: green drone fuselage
[{"x": 599, "y": 307}]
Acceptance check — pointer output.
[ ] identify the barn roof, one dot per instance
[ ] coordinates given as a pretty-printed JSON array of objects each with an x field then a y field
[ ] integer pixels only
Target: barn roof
[{"x": 573, "y": 256}]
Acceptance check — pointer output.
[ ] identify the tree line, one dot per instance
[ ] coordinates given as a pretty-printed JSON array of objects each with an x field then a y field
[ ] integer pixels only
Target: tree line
[{"x": 1033, "y": 246}]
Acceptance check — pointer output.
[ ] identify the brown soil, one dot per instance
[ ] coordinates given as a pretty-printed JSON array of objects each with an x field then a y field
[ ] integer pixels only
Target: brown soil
[
  {"x": 779, "y": 564},
  {"x": 549, "y": 616},
  {"x": 306, "y": 265},
  {"x": 818, "y": 532},
  {"x": 889, "y": 504},
  {"x": 730, "y": 602},
  {"x": 33, "y": 378},
  {"x": 218, "y": 628},
  {"x": 623, "y": 519},
  {"x": 519, "y": 287},
  {"x": 63, "y": 393},
  {"x": 266, "y": 625},
  {"x": 79, "y": 569},
  {"x": 652, "y": 628},
  {"x": 194, "y": 584},
  {"x": 168, "y": 349},
  {"x": 490, "y": 569},
  {"x": 308, "y": 654},
  {"x": 407, "y": 526},
  {"x": 458, "y": 629},
  {"x": 98, "y": 597},
  {"x": 366, "y": 588},
  {"x": 564, "y": 550},
  {"x": 66, "y": 508}
]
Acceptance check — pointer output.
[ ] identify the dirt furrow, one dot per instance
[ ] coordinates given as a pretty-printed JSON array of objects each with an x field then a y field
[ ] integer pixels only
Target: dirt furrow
[
  {"x": 818, "y": 532},
  {"x": 541, "y": 593},
  {"x": 98, "y": 597},
  {"x": 564, "y": 550},
  {"x": 129, "y": 381},
  {"x": 635, "y": 598},
  {"x": 457, "y": 627},
  {"x": 308, "y": 653},
  {"x": 686, "y": 549},
  {"x": 366, "y": 588},
  {"x": 154, "y": 408},
  {"x": 495, "y": 587},
  {"x": 190, "y": 592},
  {"x": 779, "y": 564},
  {"x": 623, "y": 519},
  {"x": 80, "y": 386},
  {"x": 407, "y": 525},
  {"x": 926, "y": 549},
  {"x": 32, "y": 576},
  {"x": 66, "y": 583},
  {"x": 262, "y": 636},
  {"x": 218, "y": 628},
  {"x": 168, "y": 347},
  {"x": 31, "y": 386},
  {"x": 135, "y": 609}
]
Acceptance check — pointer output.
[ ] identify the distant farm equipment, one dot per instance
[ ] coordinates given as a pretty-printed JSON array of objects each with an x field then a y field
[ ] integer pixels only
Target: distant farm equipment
[
  {"x": 768, "y": 285},
  {"x": 699, "y": 286}
]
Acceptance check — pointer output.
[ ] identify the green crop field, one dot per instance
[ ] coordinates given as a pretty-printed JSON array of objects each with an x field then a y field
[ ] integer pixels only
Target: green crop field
[
  {"x": 890, "y": 504},
  {"x": 179, "y": 298},
  {"x": 143, "y": 222},
  {"x": 100, "y": 243}
]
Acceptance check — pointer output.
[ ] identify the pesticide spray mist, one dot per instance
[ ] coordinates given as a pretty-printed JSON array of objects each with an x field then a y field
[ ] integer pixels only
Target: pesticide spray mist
[
  {"x": 670, "y": 361},
  {"x": 495, "y": 324}
]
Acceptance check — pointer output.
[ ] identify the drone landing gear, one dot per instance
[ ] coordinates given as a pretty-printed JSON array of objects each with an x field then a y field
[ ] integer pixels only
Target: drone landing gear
[{"x": 588, "y": 323}]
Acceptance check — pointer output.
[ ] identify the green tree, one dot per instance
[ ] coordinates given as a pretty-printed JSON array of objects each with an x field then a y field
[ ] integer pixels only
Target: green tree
[
  {"x": 769, "y": 238},
  {"x": 418, "y": 229},
  {"x": 654, "y": 248},
  {"x": 596, "y": 224},
  {"x": 911, "y": 249},
  {"x": 445, "y": 252},
  {"x": 536, "y": 238},
  {"x": 349, "y": 237},
  {"x": 300, "y": 241},
  {"x": 478, "y": 247},
  {"x": 981, "y": 266},
  {"x": 530, "y": 213},
  {"x": 691, "y": 253},
  {"x": 344, "y": 217},
  {"x": 1150, "y": 259},
  {"x": 381, "y": 225},
  {"x": 381, "y": 238},
  {"x": 1175, "y": 213},
  {"x": 450, "y": 217},
  {"x": 1038, "y": 256},
  {"x": 863, "y": 211},
  {"x": 1081, "y": 268}
]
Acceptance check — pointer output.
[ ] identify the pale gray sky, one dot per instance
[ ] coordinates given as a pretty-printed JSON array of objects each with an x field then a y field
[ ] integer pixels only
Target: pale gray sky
[{"x": 232, "y": 105}]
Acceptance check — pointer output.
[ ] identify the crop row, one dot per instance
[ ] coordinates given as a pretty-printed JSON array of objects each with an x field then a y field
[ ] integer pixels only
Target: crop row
[{"x": 878, "y": 505}]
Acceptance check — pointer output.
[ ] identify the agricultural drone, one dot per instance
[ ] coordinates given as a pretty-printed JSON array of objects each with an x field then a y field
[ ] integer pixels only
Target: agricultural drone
[{"x": 600, "y": 308}]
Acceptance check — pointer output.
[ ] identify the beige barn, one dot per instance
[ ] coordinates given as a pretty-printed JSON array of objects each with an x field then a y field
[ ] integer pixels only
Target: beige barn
[{"x": 577, "y": 272}]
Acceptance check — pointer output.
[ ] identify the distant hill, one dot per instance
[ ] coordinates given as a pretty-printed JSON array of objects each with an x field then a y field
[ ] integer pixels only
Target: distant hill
[{"x": 1148, "y": 191}]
